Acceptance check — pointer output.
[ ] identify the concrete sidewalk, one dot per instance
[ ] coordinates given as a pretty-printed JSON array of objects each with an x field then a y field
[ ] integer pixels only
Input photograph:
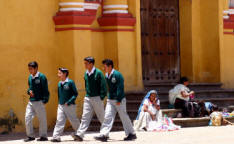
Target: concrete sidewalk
[{"x": 199, "y": 135}]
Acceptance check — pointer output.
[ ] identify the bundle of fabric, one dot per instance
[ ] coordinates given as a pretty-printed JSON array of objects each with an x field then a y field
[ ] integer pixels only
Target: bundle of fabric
[
  {"x": 165, "y": 125},
  {"x": 226, "y": 114}
]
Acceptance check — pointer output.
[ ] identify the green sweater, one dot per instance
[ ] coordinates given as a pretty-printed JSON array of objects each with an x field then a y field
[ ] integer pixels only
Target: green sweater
[
  {"x": 116, "y": 86},
  {"x": 67, "y": 92},
  {"x": 39, "y": 87},
  {"x": 95, "y": 84}
]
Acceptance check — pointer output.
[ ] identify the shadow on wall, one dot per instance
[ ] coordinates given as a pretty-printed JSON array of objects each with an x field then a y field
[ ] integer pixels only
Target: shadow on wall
[{"x": 8, "y": 123}]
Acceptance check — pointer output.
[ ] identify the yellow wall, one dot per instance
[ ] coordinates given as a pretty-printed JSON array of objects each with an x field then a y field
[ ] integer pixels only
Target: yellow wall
[
  {"x": 27, "y": 33},
  {"x": 186, "y": 54},
  {"x": 199, "y": 28}
]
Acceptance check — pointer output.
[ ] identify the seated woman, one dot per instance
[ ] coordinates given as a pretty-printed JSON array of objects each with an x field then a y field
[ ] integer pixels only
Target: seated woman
[
  {"x": 149, "y": 111},
  {"x": 180, "y": 95}
]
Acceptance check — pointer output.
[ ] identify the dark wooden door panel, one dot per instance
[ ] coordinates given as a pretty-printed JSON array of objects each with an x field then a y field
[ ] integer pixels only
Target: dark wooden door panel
[{"x": 160, "y": 40}]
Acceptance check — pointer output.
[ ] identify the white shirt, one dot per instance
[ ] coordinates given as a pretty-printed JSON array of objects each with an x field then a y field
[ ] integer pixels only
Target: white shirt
[
  {"x": 36, "y": 75},
  {"x": 62, "y": 82},
  {"x": 181, "y": 88},
  {"x": 91, "y": 72},
  {"x": 108, "y": 76}
]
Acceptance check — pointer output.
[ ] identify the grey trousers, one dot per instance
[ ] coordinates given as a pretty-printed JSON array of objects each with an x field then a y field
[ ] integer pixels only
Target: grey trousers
[
  {"x": 64, "y": 113},
  {"x": 110, "y": 112},
  {"x": 91, "y": 105},
  {"x": 33, "y": 109}
]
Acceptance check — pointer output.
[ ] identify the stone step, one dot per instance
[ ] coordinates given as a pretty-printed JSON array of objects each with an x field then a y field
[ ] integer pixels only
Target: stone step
[
  {"x": 219, "y": 93},
  {"x": 195, "y": 122},
  {"x": 224, "y": 102},
  {"x": 193, "y": 86}
]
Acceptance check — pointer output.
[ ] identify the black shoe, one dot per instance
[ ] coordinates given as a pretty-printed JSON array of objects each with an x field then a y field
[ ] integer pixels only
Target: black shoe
[
  {"x": 42, "y": 139},
  {"x": 77, "y": 138},
  {"x": 144, "y": 129},
  {"x": 29, "y": 139},
  {"x": 130, "y": 137},
  {"x": 55, "y": 140},
  {"x": 101, "y": 138}
]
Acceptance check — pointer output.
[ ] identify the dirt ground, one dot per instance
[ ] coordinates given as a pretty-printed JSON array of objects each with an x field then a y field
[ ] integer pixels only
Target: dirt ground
[{"x": 198, "y": 135}]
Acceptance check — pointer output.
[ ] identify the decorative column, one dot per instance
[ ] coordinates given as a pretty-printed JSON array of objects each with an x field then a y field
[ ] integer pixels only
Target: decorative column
[
  {"x": 116, "y": 16},
  {"x": 115, "y": 6},
  {"x": 71, "y": 5},
  {"x": 120, "y": 40},
  {"x": 74, "y": 37},
  {"x": 75, "y": 15}
]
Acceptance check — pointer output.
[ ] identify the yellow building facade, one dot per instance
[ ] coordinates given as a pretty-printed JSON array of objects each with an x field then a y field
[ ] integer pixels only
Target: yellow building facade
[{"x": 60, "y": 33}]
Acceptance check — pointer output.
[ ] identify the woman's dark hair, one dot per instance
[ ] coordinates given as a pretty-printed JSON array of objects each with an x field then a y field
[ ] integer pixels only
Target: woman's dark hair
[
  {"x": 108, "y": 62},
  {"x": 65, "y": 71},
  {"x": 33, "y": 64},
  {"x": 183, "y": 80},
  {"x": 90, "y": 59}
]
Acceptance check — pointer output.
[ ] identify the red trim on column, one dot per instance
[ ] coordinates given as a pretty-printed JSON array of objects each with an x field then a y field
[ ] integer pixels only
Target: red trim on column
[
  {"x": 229, "y": 23},
  {"x": 117, "y": 20},
  {"x": 74, "y": 19},
  {"x": 231, "y": 17},
  {"x": 229, "y": 33},
  {"x": 92, "y": 29}
]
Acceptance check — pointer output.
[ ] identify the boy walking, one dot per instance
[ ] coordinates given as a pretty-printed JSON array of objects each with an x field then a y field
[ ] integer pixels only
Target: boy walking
[
  {"x": 116, "y": 102},
  {"x": 67, "y": 94},
  {"x": 39, "y": 96},
  {"x": 95, "y": 86}
]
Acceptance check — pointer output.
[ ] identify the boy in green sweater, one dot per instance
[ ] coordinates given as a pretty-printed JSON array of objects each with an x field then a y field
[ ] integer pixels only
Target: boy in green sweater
[
  {"x": 67, "y": 94},
  {"x": 116, "y": 102},
  {"x": 39, "y": 96},
  {"x": 95, "y": 86}
]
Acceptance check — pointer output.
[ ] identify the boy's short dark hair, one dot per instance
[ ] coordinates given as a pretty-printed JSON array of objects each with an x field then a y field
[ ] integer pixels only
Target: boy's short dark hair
[
  {"x": 90, "y": 59},
  {"x": 33, "y": 64},
  {"x": 65, "y": 71},
  {"x": 183, "y": 80},
  {"x": 108, "y": 62}
]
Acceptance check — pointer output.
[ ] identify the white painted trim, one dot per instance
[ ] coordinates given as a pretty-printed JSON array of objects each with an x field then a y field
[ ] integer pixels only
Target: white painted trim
[
  {"x": 225, "y": 17},
  {"x": 115, "y": 6},
  {"x": 226, "y": 11},
  {"x": 91, "y": 6},
  {"x": 71, "y": 9},
  {"x": 115, "y": 11}
]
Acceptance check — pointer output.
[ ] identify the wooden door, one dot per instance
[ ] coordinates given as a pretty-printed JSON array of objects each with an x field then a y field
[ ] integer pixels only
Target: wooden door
[{"x": 160, "y": 40}]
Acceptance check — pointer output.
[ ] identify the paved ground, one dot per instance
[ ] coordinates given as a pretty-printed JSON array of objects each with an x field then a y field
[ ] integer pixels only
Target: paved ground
[{"x": 201, "y": 135}]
